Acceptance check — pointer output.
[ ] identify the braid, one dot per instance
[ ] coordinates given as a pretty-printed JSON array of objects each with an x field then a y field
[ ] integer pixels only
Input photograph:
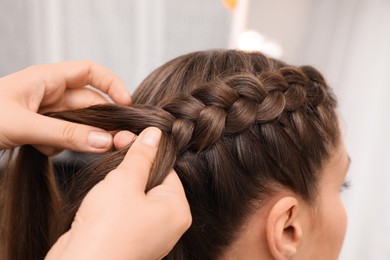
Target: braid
[
  {"x": 214, "y": 109},
  {"x": 235, "y": 127}
]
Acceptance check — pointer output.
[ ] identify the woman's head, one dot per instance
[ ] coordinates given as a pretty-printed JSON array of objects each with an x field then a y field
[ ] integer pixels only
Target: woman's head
[
  {"x": 254, "y": 136},
  {"x": 256, "y": 144}
]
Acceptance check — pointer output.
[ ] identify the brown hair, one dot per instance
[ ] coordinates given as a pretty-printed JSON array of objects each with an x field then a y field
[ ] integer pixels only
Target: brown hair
[{"x": 236, "y": 125}]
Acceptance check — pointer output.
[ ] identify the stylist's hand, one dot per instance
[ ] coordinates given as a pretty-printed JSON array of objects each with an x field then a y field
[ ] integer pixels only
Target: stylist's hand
[
  {"x": 117, "y": 220},
  {"x": 53, "y": 87}
]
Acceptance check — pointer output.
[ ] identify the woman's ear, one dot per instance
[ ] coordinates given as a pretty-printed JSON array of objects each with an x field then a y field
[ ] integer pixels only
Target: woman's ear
[{"x": 284, "y": 228}]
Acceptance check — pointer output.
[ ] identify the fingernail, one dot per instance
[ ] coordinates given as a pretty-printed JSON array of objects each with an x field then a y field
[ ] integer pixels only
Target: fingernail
[
  {"x": 98, "y": 139},
  {"x": 151, "y": 137}
]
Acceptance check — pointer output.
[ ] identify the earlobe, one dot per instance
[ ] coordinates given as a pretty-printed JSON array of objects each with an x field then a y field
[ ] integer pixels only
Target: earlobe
[{"x": 283, "y": 228}]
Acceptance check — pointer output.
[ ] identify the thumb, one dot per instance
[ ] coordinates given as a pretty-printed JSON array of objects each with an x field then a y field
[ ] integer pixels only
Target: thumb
[
  {"x": 42, "y": 130},
  {"x": 139, "y": 158}
]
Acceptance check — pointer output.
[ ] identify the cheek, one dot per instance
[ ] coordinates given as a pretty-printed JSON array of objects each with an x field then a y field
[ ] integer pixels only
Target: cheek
[
  {"x": 336, "y": 224},
  {"x": 343, "y": 219}
]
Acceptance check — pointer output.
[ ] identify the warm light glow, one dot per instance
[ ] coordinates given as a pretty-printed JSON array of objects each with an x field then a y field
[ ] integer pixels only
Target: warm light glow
[
  {"x": 272, "y": 49},
  {"x": 230, "y": 4},
  {"x": 250, "y": 41},
  {"x": 254, "y": 41}
]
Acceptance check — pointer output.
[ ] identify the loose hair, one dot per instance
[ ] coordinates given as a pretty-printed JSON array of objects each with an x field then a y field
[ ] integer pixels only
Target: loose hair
[{"x": 236, "y": 127}]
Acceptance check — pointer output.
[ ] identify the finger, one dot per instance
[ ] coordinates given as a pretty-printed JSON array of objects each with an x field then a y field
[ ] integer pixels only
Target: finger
[
  {"x": 171, "y": 190},
  {"x": 73, "y": 74},
  {"x": 62, "y": 134},
  {"x": 173, "y": 182},
  {"x": 123, "y": 139},
  {"x": 80, "y": 73},
  {"x": 75, "y": 99},
  {"x": 48, "y": 150},
  {"x": 60, "y": 245},
  {"x": 139, "y": 159}
]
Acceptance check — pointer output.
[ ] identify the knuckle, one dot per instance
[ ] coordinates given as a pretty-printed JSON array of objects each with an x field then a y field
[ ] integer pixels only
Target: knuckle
[
  {"x": 69, "y": 134},
  {"x": 47, "y": 74},
  {"x": 188, "y": 222},
  {"x": 186, "y": 217},
  {"x": 85, "y": 64},
  {"x": 123, "y": 138},
  {"x": 140, "y": 155},
  {"x": 33, "y": 67},
  {"x": 39, "y": 67},
  {"x": 138, "y": 158},
  {"x": 88, "y": 62},
  {"x": 182, "y": 212},
  {"x": 183, "y": 218},
  {"x": 91, "y": 66}
]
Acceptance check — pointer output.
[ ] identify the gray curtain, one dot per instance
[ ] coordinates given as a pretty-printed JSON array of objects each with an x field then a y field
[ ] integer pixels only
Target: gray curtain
[{"x": 130, "y": 37}]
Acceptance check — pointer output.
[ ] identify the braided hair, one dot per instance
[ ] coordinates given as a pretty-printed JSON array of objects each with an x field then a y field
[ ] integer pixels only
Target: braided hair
[{"x": 236, "y": 126}]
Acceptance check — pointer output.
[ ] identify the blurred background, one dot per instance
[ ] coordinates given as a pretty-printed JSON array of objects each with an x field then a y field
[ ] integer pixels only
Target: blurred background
[{"x": 348, "y": 40}]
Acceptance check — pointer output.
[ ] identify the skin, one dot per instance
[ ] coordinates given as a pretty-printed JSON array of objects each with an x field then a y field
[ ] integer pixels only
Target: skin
[
  {"x": 328, "y": 224},
  {"x": 107, "y": 225},
  {"x": 287, "y": 227},
  {"x": 163, "y": 208},
  {"x": 53, "y": 87}
]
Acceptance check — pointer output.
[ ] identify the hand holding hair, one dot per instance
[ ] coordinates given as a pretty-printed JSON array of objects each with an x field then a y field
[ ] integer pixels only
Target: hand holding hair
[
  {"x": 54, "y": 87},
  {"x": 118, "y": 220}
]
